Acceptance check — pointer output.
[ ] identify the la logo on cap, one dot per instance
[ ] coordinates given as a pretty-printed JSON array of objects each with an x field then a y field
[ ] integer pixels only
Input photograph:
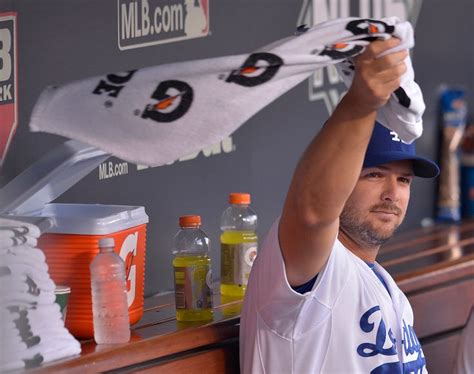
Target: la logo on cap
[{"x": 395, "y": 137}]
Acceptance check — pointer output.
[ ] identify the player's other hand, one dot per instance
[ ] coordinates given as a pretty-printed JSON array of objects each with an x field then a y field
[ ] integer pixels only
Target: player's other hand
[{"x": 376, "y": 78}]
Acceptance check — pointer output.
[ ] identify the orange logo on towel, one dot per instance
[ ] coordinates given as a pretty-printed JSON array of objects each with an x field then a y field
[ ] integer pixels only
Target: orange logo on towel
[
  {"x": 341, "y": 50},
  {"x": 167, "y": 94},
  {"x": 249, "y": 70},
  {"x": 372, "y": 28},
  {"x": 166, "y": 103},
  {"x": 250, "y": 74},
  {"x": 339, "y": 45},
  {"x": 369, "y": 26}
]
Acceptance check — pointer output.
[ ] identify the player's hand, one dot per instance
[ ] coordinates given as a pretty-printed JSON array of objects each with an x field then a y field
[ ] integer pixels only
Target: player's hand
[{"x": 376, "y": 78}]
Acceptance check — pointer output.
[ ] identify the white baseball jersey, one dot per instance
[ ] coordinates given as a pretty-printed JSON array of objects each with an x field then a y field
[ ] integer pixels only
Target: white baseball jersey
[{"x": 347, "y": 323}]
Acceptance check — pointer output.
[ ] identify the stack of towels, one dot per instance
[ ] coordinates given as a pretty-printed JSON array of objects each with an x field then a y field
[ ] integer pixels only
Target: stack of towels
[{"x": 32, "y": 330}]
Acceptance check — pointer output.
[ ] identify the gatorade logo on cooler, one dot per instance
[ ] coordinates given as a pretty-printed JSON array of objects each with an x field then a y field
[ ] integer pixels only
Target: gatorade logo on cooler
[
  {"x": 174, "y": 98},
  {"x": 128, "y": 251},
  {"x": 250, "y": 75}
]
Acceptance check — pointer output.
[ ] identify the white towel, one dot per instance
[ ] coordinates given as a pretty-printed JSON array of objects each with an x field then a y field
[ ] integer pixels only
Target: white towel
[
  {"x": 16, "y": 267},
  {"x": 34, "y": 335},
  {"x": 31, "y": 329},
  {"x": 15, "y": 233},
  {"x": 12, "y": 298},
  {"x": 11, "y": 261},
  {"x": 406, "y": 108},
  {"x": 10, "y": 237},
  {"x": 38, "y": 314},
  {"x": 155, "y": 115},
  {"x": 27, "y": 251},
  {"x": 54, "y": 349},
  {"x": 24, "y": 228},
  {"x": 24, "y": 283},
  {"x": 27, "y": 282}
]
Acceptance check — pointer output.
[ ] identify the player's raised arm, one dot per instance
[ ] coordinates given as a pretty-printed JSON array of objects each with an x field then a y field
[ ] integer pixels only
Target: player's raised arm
[{"x": 330, "y": 167}]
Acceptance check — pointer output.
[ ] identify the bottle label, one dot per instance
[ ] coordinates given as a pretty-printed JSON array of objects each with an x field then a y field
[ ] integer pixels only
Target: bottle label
[
  {"x": 193, "y": 287},
  {"x": 236, "y": 262}
]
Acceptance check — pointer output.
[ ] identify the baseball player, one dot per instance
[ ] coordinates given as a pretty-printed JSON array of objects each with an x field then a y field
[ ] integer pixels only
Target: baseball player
[{"x": 317, "y": 302}]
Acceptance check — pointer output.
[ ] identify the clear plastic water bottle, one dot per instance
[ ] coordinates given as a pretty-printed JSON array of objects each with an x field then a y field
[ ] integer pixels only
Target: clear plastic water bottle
[
  {"x": 192, "y": 271},
  {"x": 109, "y": 296},
  {"x": 238, "y": 244}
]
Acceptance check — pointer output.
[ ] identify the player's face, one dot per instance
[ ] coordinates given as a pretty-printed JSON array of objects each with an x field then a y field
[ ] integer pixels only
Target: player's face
[{"x": 378, "y": 204}]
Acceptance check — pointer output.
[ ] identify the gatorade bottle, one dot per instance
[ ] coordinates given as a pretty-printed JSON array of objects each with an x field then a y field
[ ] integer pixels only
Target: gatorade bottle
[
  {"x": 192, "y": 271},
  {"x": 238, "y": 245}
]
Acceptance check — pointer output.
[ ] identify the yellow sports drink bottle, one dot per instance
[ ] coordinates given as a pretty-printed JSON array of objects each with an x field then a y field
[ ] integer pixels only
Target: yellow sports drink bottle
[
  {"x": 192, "y": 271},
  {"x": 238, "y": 245}
]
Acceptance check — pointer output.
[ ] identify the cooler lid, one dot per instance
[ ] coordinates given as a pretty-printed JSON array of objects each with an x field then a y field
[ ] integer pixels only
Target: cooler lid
[
  {"x": 49, "y": 177},
  {"x": 90, "y": 219}
]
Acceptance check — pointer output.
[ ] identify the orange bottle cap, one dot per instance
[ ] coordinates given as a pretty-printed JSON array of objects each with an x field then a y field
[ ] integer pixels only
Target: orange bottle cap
[
  {"x": 239, "y": 198},
  {"x": 190, "y": 221}
]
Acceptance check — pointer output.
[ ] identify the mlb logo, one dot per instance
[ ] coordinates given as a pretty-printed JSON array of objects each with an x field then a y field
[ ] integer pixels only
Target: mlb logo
[
  {"x": 8, "y": 81},
  {"x": 143, "y": 23},
  {"x": 197, "y": 16}
]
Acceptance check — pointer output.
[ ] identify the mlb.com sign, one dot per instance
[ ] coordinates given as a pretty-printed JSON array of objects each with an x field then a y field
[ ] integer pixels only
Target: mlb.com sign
[
  {"x": 142, "y": 23},
  {"x": 325, "y": 83}
]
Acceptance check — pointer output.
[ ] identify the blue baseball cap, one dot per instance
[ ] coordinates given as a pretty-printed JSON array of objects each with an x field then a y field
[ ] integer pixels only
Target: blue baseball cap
[{"x": 385, "y": 146}]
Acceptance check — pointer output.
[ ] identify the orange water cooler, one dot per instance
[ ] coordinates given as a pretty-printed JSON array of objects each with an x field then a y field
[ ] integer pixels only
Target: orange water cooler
[{"x": 72, "y": 241}]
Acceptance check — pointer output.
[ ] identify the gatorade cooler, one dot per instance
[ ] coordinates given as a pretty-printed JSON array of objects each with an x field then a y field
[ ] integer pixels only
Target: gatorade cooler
[{"x": 73, "y": 241}]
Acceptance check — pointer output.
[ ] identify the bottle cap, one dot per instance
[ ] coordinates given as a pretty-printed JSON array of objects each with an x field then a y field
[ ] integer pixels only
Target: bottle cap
[
  {"x": 239, "y": 198},
  {"x": 190, "y": 221},
  {"x": 106, "y": 242}
]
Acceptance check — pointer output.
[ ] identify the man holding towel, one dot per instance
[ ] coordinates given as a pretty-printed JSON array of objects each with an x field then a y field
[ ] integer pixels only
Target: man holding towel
[{"x": 317, "y": 302}]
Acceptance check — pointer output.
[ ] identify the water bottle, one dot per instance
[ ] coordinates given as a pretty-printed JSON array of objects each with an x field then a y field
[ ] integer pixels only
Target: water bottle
[
  {"x": 238, "y": 245},
  {"x": 192, "y": 271},
  {"x": 109, "y": 296}
]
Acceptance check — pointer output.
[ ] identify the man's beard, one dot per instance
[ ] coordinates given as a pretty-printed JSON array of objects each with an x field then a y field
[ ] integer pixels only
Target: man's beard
[{"x": 362, "y": 230}]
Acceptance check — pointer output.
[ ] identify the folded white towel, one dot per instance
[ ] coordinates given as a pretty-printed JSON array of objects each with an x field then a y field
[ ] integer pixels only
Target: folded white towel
[
  {"x": 30, "y": 252},
  {"x": 17, "y": 233},
  {"x": 15, "y": 343},
  {"x": 55, "y": 349},
  {"x": 18, "y": 284},
  {"x": 7, "y": 365},
  {"x": 15, "y": 298},
  {"x": 155, "y": 115},
  {"x": 37, "y": 321},
  {"x": 38, "y": 270},
  {"x": 10, "y": 237},
  {"x": 32, "y": 322},
  {"x": 10, "y": 260},
  {"x": 32, "y": 332},
  {"x": 21, "y": 227},
  {"x": 42, "y": 309},
  {"x": 27, "y": 283},
  {"x": 31, "y": 329}
]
